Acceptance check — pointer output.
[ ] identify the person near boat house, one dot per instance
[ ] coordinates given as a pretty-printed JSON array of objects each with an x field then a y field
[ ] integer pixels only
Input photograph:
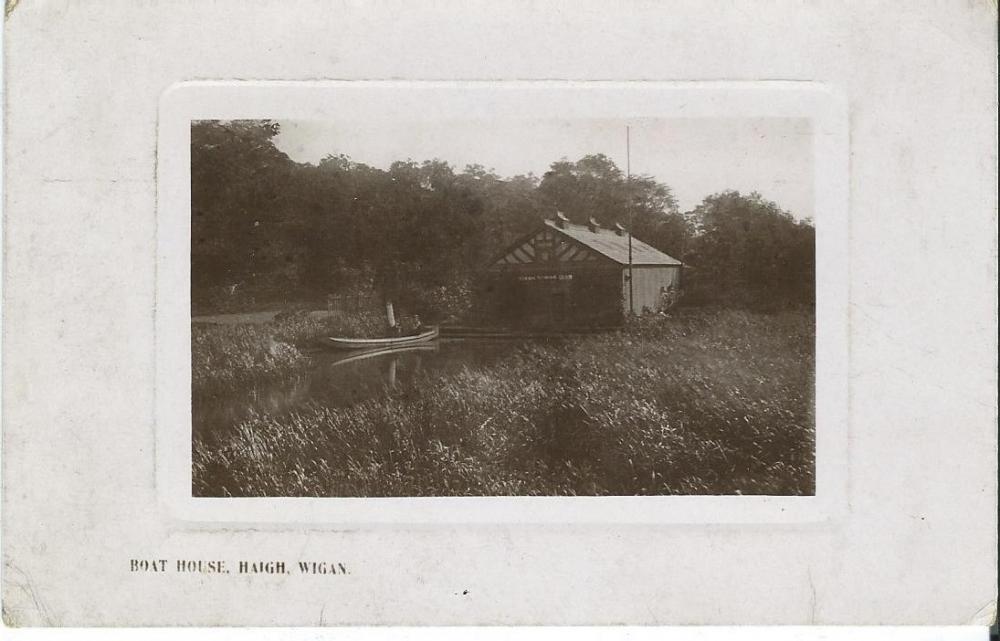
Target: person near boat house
[{"x": 563, "y": 274}]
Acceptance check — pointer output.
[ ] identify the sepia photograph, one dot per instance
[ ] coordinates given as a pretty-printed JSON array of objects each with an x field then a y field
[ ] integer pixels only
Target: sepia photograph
[
  {"x": 373, "y": 314},
  {"x": 522, "y": 307}
]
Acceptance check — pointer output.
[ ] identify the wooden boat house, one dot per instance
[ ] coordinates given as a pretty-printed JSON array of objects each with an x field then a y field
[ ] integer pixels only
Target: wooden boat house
[{"x": 569, "y": 275}]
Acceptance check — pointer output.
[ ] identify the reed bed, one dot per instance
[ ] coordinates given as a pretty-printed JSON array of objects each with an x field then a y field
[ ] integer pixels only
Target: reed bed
[
  {"x": 230, "y": 356},
  {"x": 701, "y": 402}
]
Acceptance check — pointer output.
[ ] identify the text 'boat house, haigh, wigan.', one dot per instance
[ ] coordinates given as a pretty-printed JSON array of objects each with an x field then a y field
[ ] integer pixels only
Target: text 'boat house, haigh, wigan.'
[{"x": 565, "y": 274}]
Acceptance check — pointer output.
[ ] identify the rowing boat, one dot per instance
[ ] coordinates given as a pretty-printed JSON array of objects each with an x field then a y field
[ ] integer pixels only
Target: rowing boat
[
  {"x": 393, "y": 341},
  {"x": 356, "y": 355}
]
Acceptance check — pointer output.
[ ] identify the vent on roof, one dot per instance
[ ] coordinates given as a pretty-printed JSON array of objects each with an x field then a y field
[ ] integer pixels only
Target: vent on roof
[
  {"x": 592, "y": 225},
  {"x": 561, "y": 220},
  {"x": 619, "y": 229}
]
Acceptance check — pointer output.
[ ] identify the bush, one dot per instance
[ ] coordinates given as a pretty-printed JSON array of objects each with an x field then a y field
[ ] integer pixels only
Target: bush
[
  {"x": 439, "y": 302},
  {"x": 227, "y": 355}
]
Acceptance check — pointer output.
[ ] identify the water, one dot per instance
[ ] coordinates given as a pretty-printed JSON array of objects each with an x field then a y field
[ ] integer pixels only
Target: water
[{"x": 341, "y": 379}]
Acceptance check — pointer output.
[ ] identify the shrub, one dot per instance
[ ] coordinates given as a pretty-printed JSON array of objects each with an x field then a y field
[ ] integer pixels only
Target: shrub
[
  {"x": 438, "y": 302},
  {"x": 225, "y": 355}
]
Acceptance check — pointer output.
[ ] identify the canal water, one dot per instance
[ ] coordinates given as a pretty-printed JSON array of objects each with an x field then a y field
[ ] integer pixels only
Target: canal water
[{"x": 341, "y": 379}]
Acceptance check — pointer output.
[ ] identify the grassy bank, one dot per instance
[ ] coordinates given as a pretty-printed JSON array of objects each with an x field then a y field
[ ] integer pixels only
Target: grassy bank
[
  {"x": 226, "y": 356},
  {"x": 704, "y": 402}
]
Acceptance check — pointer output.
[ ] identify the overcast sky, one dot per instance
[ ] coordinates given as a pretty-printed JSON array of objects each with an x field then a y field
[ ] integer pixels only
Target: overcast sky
[{"x": 694, "y": 156}]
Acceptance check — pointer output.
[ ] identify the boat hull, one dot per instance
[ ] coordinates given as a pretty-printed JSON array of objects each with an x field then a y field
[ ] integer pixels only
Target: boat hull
[{"x": 372, "y": 343}]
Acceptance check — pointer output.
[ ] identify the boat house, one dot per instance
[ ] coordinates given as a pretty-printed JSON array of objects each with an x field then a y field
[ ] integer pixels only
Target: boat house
[{"x": 569, "y": 275}]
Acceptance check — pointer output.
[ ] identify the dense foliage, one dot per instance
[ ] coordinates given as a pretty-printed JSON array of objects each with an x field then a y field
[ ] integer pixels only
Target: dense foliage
[
  {"x": 267, "y": 230},
  {"x": 699, "y": 402}
]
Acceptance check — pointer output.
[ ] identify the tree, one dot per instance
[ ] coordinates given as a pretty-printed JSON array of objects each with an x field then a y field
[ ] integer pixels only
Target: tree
[
  {"x": 282, "y": 230},
  {"x": 238, "y": 179},
  {"x": 746, "y": 248},
  {"x": 594, "y": 187}
]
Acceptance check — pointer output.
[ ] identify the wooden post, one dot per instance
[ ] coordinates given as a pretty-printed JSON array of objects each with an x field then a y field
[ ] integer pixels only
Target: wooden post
[{"x": 390, "y": 314}]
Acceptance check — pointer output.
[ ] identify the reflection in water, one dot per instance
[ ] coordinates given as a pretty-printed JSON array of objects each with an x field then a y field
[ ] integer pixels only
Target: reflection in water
[{"x": 341, "y": 379}]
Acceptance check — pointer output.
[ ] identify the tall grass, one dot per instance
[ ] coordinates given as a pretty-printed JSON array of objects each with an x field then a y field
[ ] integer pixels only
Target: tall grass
[
  {"x": 226, "y": 356},
  {"x": 704, "y": 402}
]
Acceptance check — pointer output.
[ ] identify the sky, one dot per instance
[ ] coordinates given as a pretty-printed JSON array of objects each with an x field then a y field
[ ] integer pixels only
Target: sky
[{"x": 695, "y": 157}]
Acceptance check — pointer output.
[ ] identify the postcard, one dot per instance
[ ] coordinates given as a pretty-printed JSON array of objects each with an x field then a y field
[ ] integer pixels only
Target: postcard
[{"x": 499, "y": 314}]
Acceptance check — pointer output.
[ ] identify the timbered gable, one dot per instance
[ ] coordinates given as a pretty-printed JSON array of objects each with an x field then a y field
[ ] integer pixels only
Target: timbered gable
[
  {"x": 561, "y": 244},
  {"x": 547, "y": 247}
]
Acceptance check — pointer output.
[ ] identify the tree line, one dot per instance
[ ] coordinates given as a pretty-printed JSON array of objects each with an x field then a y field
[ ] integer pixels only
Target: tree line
[{"x": 265, "y": 228}]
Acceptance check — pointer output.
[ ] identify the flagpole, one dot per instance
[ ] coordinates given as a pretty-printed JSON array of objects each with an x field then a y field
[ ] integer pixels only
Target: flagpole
[{"x": 628, "y": 208}]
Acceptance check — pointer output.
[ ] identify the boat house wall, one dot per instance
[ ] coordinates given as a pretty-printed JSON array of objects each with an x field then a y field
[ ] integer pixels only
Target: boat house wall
[
  {"x": 565, "y": 275},
  {"x": 650, "y": 283}
]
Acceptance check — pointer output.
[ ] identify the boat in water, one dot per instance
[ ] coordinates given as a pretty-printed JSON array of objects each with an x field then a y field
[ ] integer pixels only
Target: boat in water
[
  {"x": 356, "y": 355},
  {"x": 424, "y": 336}
]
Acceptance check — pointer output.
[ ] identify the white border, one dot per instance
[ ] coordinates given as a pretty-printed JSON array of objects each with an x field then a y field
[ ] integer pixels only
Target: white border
[{"x": 437, "y": 100}]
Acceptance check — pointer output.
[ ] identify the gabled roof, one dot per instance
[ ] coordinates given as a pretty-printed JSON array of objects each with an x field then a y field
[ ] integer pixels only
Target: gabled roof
[{"x": 609, "y": 244}]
